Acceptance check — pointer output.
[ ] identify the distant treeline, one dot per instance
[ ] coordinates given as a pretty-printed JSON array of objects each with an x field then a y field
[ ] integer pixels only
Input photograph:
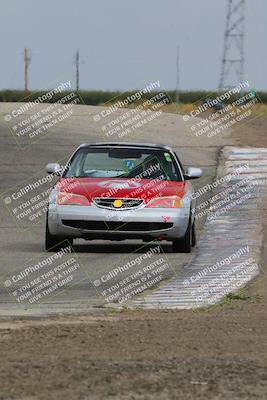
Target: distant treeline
[{"x": 96, "y": 97}]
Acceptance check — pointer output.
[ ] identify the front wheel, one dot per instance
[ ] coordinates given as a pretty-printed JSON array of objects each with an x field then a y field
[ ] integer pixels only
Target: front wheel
[
  {"x": 185, "y": 244},
  {"x": 194, "y": 235},
  {"x": 54, "y": 242}
]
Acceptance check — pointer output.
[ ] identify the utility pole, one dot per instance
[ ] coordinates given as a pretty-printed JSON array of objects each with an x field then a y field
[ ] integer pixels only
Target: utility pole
[
  {"x": 77, "y": 62},
  {"x": 27, "y": 60},
  {"x": 232, "y": 70},
  {"x": 177, "y": 95}
]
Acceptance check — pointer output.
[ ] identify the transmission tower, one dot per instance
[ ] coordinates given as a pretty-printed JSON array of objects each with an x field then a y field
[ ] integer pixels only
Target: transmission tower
[{"x": 233, "y": 61}]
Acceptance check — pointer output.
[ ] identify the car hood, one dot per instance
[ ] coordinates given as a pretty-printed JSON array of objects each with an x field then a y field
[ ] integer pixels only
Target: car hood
[{"x": 121, "y": 187}]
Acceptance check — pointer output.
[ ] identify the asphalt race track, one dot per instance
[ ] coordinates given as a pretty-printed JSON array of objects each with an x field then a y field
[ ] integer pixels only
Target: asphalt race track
[{"x": 24, "y": 162}]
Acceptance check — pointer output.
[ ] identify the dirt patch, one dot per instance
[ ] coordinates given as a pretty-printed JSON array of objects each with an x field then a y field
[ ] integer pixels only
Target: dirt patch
[{"x": 140, "y": 355}]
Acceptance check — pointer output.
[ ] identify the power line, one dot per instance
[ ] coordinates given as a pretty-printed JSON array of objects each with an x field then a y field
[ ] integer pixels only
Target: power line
[{"x": 232, "y": 70}]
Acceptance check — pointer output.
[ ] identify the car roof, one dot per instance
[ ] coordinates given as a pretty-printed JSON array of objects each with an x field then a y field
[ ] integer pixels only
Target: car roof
[{"x": 128, "y": 145}]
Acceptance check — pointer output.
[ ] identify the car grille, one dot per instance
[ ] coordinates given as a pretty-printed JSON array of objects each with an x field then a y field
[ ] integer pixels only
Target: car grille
[
  {"x": 108, "y": 202},
  {"x": 116, "y": 225}
]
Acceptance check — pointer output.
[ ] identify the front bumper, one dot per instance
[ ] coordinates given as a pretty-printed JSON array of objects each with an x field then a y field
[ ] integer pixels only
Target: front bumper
[{"x": 92, "y": 222}]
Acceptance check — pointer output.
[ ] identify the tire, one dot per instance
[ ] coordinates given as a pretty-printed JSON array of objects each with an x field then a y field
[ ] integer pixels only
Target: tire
[
  {"x": 185, "y": 244},
  {"x": 54, "y": 242},
  {"x": 194, "y": 236}
]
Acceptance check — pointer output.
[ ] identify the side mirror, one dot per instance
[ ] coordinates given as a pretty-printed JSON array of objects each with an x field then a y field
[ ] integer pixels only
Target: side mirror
[
  {"x": 193, "y": 173},
  {"x": 53, "y": 168}
]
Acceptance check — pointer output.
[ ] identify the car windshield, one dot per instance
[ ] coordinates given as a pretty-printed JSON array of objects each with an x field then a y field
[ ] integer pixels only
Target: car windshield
[{"x": 117, "y": 162}]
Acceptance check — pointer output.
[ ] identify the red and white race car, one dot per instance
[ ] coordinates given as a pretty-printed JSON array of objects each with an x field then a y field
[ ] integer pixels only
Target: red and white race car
[{"x": 119, "y": 191}]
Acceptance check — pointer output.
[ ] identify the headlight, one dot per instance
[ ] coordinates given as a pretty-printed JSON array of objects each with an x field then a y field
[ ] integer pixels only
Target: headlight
[
  {"x": 52, "y": 200},
  {"x": 72, "y": 199},
  {"x": 165, "y": 202}
]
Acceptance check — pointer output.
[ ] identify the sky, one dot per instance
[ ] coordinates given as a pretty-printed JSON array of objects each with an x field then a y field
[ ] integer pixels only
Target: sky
[{"x": 125, "y": 44}]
